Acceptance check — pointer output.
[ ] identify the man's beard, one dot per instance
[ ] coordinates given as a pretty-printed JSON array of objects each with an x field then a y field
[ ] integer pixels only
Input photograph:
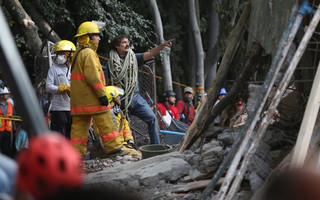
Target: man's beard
[
  {"x": 171, "y": 103},
  {"x": 188, "y": 100}
]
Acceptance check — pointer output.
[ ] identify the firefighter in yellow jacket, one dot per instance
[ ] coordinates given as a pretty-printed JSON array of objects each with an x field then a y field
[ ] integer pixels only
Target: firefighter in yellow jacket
[
  {"x": 114, "y": 97},
  {"x": 88, "y": 96}
]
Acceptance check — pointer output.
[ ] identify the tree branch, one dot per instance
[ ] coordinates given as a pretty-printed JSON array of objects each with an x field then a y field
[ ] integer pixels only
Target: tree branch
[
  {"x": 27, "y": 26},
  {"x": 43, "y": 26}
]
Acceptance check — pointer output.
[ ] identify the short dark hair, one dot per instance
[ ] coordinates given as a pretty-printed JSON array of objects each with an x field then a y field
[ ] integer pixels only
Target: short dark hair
[{"x": 117, "y": 40}]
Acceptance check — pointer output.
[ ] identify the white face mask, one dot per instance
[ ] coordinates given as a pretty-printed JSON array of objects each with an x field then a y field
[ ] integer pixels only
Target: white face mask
[{"x": 60, "y": 60}]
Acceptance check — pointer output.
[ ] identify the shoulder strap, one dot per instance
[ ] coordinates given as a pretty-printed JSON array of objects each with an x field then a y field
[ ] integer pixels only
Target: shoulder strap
[
  {"x": 75, "y": 56},
  {"x": 167, "y": 109},
  {"x": 185, "y": 104}
]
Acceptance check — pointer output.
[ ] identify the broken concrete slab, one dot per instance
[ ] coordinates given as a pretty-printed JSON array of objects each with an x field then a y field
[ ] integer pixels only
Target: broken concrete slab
[{"x": 148, "y": 173}]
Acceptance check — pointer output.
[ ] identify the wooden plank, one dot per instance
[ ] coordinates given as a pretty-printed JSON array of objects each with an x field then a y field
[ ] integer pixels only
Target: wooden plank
[
  {"x": 308, "y": 122},
  {"x": 194, "y": 185},
  {"x": 192, "y": 177},
  {"x": 176, "y": 195}
]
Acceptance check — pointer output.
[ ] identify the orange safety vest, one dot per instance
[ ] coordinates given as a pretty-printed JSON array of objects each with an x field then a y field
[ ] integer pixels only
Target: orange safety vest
[{"x": 5, "y": 124}]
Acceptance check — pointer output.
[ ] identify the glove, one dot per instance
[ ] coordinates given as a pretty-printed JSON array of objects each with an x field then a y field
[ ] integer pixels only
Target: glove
[
  {"x": 130, "y": 141},
  {"x": 63, "y": 88},
  {"x": 104, "y": 101},
  {"x": 132, "y": 144}
]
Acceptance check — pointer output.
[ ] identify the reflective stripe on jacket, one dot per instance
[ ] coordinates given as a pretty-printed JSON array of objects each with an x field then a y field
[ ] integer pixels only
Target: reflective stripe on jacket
[
  {"x": 87, "y": 80},
  {"x": 5, "y": 124}
]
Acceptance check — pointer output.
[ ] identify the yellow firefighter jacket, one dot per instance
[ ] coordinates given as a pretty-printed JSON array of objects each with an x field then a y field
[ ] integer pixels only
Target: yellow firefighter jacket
[
  {"x": 123, "y": 127},
  {"x": 87, "y": 79}
]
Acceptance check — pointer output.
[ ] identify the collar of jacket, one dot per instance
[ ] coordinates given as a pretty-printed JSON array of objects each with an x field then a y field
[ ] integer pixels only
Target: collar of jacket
[{"x": 85, "y": 41}]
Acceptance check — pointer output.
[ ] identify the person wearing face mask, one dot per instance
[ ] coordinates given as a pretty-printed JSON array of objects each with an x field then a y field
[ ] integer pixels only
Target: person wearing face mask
[
  {"x": 185, "y": 106},
  {"x": 58, "y": 83}
]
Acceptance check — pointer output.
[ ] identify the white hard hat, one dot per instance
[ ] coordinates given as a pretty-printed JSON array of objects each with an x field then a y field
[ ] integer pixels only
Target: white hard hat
[{"x": 4, "y": 90}]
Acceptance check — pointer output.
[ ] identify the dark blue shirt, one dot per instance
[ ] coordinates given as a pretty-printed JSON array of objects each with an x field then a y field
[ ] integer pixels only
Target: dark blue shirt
[{"x": 140, "y": 61}]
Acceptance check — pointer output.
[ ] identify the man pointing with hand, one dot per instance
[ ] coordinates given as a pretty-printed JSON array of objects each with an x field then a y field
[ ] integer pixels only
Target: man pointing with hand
[{"x": 123, "y": 68}]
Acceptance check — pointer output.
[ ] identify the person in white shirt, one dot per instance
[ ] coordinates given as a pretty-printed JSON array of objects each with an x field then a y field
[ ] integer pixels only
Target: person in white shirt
[{"x": 58, "y": 83}]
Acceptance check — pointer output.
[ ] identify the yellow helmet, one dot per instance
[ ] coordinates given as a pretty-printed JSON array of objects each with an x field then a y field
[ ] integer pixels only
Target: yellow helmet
[
  {"x": 87, "y": 28},
  {"x": 65, "y": 45},
  {"x": 113, "y": 92}
]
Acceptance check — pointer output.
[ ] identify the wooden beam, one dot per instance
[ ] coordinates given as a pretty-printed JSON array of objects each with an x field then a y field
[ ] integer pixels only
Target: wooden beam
[
  {"x": 308, "y": 122},
  {"x": 194, "y": 185}
]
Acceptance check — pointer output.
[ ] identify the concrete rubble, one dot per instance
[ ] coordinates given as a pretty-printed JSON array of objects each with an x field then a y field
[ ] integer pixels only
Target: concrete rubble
[{"x": 174, "y": 175}]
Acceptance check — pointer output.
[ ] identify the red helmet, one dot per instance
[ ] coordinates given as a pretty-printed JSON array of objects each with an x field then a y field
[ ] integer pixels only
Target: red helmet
[{"x": 50, "y": 164}]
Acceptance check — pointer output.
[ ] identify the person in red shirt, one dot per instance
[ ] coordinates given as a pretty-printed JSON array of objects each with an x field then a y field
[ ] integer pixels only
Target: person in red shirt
[
  {"x": 167, "y": 108},
  {"x": 185, "y": 107}
]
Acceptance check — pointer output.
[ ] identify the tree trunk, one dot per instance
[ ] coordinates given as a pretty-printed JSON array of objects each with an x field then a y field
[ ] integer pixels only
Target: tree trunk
[
  {"x": 199, "y": 54},
  {"x": 190, "y": 69},
  {"x": 43, "y": 26},
  {"x": 211, "y": 74},
  {"x": 174, "y": 65},
  {"x": 235, "y": 4},
  {"x": 25, "y": 23},
  {"x": 165, "y": 53},
  {"x": 212, "y": 55},
  {"x": 177, "y": 88},
  {"x": 213, "y": 49}
]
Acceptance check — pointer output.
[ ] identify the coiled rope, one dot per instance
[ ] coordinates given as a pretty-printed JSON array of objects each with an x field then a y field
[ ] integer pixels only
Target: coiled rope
[{"x": 124, "y": 74}]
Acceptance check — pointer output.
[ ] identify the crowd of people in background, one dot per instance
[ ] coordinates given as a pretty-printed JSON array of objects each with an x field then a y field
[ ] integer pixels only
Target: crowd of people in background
[{"x": 183, "y": 110}]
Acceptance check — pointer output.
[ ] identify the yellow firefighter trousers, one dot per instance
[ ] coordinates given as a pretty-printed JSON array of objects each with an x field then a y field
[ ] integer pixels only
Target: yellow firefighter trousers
[{"x": 107, "y": 125}]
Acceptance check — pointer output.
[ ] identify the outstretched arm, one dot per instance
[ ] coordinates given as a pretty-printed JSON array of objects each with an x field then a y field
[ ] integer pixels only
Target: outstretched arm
[{"x": 149, "y": 54}]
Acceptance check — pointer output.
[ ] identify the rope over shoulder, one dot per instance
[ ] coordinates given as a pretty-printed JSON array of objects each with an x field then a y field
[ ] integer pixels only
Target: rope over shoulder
[{"x": 124, "y": 74}]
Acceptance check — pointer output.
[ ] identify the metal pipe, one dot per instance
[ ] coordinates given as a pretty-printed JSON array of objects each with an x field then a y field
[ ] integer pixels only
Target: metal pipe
[
  {"x": 14, "y": 71},
  {"x": 172, "y": 132},
  {"x": 305, "y": 8}
]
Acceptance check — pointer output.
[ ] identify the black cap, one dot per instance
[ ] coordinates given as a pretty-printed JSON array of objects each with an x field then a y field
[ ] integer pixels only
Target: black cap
[{"x": 169, "y": 93}]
